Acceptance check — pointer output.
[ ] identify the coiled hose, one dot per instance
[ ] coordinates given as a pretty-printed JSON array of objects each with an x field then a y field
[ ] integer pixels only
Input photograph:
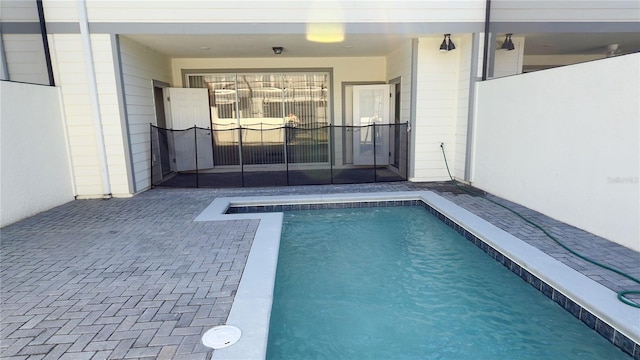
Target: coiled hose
[{"x": 621, "y": 294}]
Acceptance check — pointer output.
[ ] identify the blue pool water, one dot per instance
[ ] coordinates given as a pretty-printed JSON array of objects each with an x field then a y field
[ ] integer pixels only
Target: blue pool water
[{"x": 396, "y": 283}]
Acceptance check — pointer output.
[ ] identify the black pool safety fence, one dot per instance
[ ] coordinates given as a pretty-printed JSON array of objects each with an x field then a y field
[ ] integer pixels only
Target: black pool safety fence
[{"x": 254, "y": 155}]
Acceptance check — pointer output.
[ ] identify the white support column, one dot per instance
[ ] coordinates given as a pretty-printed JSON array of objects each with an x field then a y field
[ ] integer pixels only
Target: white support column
[{"x": 473, "y": 78}]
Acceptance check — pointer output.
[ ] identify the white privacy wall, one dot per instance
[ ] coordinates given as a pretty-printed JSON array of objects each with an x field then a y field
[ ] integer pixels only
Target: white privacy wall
[
  {"x": 35, "y": 173},
  {"x": 565, "y": 142}
]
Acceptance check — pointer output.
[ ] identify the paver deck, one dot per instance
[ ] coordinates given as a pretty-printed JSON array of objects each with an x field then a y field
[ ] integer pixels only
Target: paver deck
[{"x": 137, "y": 278}]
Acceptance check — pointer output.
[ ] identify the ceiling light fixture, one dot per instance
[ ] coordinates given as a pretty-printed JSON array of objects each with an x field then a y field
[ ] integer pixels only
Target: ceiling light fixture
[
  {"x": 324, "y": 22},
  {"x": 277, "y": 50},
  {"x": 447, "y": 44},
  {"x": 325, "y": 32},
  {"x": 507, "y": 44}
]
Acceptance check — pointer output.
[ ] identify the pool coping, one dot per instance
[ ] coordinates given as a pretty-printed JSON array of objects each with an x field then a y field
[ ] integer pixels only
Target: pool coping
[{"x": 591, "y": 302}]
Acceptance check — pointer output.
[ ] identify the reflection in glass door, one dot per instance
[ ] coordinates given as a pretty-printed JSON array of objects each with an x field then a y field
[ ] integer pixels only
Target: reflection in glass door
[{"x": 371, "y": 120}]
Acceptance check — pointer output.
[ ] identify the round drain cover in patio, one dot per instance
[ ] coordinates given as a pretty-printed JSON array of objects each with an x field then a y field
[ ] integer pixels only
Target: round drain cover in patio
[{"x": 221, "y": 336}]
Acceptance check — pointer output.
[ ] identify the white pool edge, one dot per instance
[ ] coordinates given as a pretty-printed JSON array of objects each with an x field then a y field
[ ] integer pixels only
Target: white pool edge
[{"x": 251, "y": 307}]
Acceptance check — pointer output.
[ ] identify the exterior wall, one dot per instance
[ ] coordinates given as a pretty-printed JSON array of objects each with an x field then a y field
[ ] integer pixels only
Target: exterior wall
[
  {"x": 24, "y": 54},
  {"x": 399, "y": 65},
  {"x": 509, "y": 62},
  {"x": 23, "y": 51},
  {"x": 71, "y": 75},
  {"x": 564, "y": 142},
  {"x": 69, "y": 70},
  {"x": 35, "y": 173},
  {"x": 558, "y": 60},
  {"x": 442, "y": 109},
  {"x": 541, "y": 62},
  {"x": 344, "y": 70},
  {"x": 140, "y": 66},
  {"x": 114, "y": 136},
  {"x": 438, "y": 99},
  {"x": 18, "y": 10},
  {"x": 443, "y": 79}
]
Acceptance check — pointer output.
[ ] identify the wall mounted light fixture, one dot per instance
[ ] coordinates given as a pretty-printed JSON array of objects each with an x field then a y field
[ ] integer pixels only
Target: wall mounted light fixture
[
  {"x": 507, "y": 44},
  {"x": 277, "y": 50},
  {"x": 447, "y": 44}
]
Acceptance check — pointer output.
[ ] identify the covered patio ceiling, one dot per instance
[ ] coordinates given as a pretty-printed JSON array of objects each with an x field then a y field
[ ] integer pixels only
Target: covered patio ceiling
[{"x": 364, "y": 45}]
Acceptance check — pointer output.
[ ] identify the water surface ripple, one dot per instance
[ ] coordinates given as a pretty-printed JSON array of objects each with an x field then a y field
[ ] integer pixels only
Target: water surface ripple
[{"x": 396, "y": 283}]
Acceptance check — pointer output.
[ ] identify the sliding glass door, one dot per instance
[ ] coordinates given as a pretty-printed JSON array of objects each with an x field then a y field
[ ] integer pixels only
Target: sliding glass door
[{"x": 263, "y": 118}]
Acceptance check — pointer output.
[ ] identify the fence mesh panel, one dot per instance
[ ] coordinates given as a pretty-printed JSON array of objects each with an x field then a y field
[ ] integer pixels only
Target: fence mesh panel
[{"x": 267, "y": 155}]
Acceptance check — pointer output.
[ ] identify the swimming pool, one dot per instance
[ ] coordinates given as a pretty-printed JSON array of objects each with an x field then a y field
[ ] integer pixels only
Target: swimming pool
[
  {"x": 592, "y": 303},
  {"x": 395, "y": 282}
]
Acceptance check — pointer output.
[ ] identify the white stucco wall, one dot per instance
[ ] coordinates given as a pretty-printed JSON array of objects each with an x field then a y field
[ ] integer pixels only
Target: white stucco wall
[
  {"x": 35, "y": 173},
  {"x": 565, "y": 142}
]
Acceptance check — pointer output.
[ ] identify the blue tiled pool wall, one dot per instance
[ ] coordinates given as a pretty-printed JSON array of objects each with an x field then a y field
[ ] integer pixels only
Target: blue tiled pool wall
[
  {"x": 605, "y": 330},
  {"x": 323, "y": 206},
  {"x": 608, "y": 332}
]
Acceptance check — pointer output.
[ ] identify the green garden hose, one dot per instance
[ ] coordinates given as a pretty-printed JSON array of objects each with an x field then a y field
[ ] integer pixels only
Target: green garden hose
[{"x": 621, "y": 294}]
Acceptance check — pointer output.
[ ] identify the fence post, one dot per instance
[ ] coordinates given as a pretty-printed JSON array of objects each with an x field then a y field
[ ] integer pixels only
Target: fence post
[
  {"x": 406, "y": 152},
  {"x": 286, "y": 150},
  {"x": 195, "y": 138},
  {"x": 375, "y": 173},
  {"x": 330, "y": 144},
  {"x": 240, "y": 154}
]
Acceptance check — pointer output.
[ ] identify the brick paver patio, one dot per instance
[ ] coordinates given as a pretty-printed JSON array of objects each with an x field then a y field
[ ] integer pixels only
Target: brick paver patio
[{"x": 137, "y": 278}]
